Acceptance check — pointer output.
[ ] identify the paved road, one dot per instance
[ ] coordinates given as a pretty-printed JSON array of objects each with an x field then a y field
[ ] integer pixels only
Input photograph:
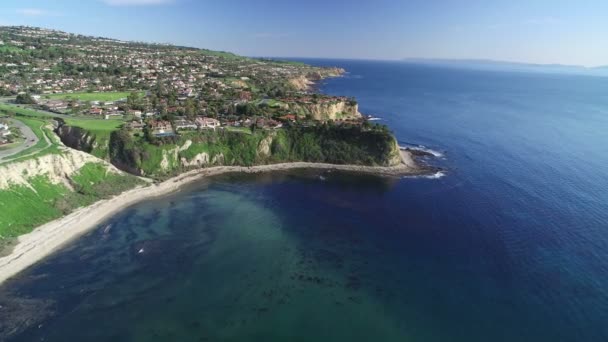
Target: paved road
[{"x": 30, "y": 139}]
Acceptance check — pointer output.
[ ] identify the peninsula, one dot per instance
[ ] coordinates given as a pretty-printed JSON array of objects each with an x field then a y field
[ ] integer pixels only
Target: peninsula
[{"x": 108, "y": 123}]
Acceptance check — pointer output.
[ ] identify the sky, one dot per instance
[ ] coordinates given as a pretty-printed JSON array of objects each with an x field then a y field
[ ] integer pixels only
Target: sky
[{"x": 534, "y": 31}]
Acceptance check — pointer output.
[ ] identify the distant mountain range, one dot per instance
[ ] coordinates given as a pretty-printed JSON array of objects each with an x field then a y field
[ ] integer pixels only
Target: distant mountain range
[{"x": 483, "y": 64}]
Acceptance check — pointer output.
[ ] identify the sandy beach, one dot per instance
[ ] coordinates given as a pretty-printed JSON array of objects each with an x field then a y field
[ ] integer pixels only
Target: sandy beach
[{"x": 46, "y": 239}]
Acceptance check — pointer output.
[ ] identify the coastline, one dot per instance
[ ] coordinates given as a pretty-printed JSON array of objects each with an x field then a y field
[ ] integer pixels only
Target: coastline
[{"x": 48, "y": 238}]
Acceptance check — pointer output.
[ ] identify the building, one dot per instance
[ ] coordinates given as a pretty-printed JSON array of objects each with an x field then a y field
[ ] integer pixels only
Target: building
[
  {"x": 184, "y": 124},
  {"x": 96, "y": 111},
  {"x": 135, "y": 113},
  {"x": 204, "y": 123},
  {"x": 161, "y": 128},
  {"x": 135, "y": 125},
  {"x": 55, "y": 105},
  {"x": 268, "y": 123}
]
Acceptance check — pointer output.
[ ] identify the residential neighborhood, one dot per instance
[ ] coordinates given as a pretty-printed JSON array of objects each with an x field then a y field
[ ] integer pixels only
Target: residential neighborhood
[{"x": 164, "y": 89}]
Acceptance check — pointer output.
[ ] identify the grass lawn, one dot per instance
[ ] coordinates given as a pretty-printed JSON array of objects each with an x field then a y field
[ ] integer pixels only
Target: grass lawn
[
  {"x": 101, "y": 96},
  {"x": 95, "y": 125},
  {"x": 246, "y": 130},
  {"x": 7, "y": 107},
  {"x": 272, "y": 103}
]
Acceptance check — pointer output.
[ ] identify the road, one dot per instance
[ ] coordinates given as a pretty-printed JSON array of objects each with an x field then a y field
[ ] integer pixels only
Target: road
[{"x": 30, "y": 139}]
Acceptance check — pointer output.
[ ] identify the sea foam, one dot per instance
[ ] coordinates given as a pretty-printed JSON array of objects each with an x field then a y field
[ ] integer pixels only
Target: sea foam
[{"x": 422, "y": 148}]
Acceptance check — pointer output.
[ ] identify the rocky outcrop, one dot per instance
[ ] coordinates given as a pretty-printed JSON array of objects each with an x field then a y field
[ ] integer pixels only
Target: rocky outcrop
[
  {"x": 264, "y": 146},
  {"x": 301, "y": 83},
  {"x": 202, "y": 159},
  {"x": 199, "y": 160}
]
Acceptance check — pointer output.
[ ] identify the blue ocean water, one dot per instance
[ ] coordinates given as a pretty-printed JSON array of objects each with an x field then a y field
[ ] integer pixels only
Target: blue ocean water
[{"x": 510, "y": 245}]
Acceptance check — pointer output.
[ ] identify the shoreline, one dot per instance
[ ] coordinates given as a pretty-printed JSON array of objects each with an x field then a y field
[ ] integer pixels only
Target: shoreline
[{"x": 46, "y": 239}]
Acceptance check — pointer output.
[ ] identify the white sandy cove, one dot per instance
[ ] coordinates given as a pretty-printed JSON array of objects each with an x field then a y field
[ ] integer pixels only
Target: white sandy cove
[{"x": 47, "y": 238}]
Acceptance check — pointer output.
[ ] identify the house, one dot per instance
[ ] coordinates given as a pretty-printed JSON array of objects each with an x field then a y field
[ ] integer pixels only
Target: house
[
  {"x": 161, "y": 128},
  {"x": 135, "y": 113},
  {"x": 55, "y": 105},
  {"x": 288, "y": 117},
  {"x": 268, "y": 123},
  {"x": 204, "y": 122},
  {"x": 184, "y": 124},
  {"x": 96, "y": 111},
  {"x": 135, "y": 125}
]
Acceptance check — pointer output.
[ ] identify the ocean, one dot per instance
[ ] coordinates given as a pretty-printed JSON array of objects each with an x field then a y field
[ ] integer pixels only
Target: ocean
[{"x": 510, "y": 243}]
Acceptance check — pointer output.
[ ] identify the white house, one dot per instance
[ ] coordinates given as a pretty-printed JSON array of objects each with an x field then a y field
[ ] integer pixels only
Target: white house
[{"x": 204, "y": 122}]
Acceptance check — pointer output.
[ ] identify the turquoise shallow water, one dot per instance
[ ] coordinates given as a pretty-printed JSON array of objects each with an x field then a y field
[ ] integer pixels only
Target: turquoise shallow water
[{"x": 511, "y": 245}]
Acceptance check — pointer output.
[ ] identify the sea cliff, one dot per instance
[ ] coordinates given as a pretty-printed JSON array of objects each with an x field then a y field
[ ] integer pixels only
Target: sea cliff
[
  {"x": 327, "y": 143},
  {"x": 306, "y": 81}
]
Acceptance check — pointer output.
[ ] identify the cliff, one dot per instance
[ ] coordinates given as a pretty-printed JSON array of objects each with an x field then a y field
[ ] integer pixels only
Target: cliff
[
  {"x": 335, "y": 110},
  {"x": 84, "y": 140},
  {"x": 40, "y": 189},
  {"x": 371, "y": 146},
  {"x": 304, "y": 82}
]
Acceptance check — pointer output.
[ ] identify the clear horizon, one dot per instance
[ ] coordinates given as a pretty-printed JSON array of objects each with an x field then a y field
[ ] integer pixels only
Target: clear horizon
[{"x": 543, "y": 32}]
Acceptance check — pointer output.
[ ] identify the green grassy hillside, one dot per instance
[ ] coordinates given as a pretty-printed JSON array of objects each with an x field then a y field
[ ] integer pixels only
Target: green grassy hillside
[{"x": 25, "y": 206}]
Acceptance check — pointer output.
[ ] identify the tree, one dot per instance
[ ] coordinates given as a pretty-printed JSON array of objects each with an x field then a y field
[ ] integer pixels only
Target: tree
[
  {"x": 134, "y": 101},
  {"x": 25, "y": 99},
  {"x": 190, "y": 108}
]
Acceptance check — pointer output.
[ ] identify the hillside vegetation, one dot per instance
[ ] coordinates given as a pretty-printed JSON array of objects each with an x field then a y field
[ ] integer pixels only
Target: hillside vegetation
[
  {"x": 48, "y": 180},
  {"x": 41, "y": 189}
]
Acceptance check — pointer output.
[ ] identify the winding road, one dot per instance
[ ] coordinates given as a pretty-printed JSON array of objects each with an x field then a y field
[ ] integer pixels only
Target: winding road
[{"x": 30, "y": 139}]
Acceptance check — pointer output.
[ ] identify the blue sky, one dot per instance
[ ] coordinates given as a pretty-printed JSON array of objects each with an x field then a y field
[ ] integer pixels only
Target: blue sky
[{"x": 539, "y": 31}]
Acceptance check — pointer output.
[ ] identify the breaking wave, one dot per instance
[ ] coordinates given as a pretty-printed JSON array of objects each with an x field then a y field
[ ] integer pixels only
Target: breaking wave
[{"x": 422, "y": 148}]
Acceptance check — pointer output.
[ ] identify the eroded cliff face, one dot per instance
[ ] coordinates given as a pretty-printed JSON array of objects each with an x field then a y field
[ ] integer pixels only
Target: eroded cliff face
[
  {"x": 57, "y": 168},
  {"x": 301, "y": 83},
  {"x": 175, "y": 158},
  {"x": 395, "y": 157},
  {"x": 337, "y": 110},
  {"x": 84, "y": 140},
  {"x": 76, "y": 138},
  {"x": 44, "y": 187}
]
